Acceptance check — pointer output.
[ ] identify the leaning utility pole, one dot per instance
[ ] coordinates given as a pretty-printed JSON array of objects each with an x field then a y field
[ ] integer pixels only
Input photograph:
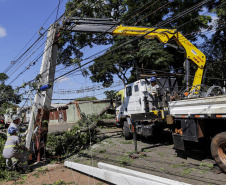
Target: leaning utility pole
[{"x": 42, "y": 99}]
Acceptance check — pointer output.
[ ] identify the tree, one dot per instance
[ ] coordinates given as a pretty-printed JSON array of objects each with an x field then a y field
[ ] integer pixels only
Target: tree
[
  {"x": 86, "y": 99},
  {"x": 8, "y": 98},
  {"x": 110, "y": 94},
  {"x": 214, "y": 47},
  {"x": 3, "y": 77},
  {"x": 142, "y": 54}
]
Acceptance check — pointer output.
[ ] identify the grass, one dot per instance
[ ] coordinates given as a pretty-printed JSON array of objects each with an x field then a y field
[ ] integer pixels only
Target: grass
[
  {"x": 106, "y": 156},
  {"x": 125, "y": 160},
  {"x": 126, "y": 142},
  {"x": 24, "y": 177},
  {"x": 102, "y": 151},
  {"x": 35, "y": 175},
  {"x": 19, "y": 182},
  {"x": 161, "y": 154},
  {"x": 42, "y": 171},
  {"x": 210, "y": 166},
  {"x": 148, "y": 150},
  {"x": 178, "y": 165},
  {"x": 88, "y": 162},
  {"x": 187, "y": 171},
  {"x": 129, "y": 153}
]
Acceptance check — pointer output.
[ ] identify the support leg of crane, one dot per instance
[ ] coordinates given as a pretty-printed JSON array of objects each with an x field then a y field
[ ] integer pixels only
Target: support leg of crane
[
  {"x": 135, "y": 137},
  {"x": 135, "y": 155}
]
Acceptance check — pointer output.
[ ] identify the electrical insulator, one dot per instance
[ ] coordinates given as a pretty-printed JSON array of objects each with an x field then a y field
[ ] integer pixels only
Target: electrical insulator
[{"x": 45, "y": 87}]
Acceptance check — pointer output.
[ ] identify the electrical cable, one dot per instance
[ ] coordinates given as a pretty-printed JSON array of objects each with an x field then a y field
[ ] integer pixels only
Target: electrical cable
[
  {"x": 31, "y": 40},
  {"x": 76, "y": 68},
  {"x": 91, "y": 41}
]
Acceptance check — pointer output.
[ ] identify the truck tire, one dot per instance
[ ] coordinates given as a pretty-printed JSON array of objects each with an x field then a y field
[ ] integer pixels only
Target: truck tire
[
  {"x": 218, "y": 150},
  {"x": 126, "y": 131}
]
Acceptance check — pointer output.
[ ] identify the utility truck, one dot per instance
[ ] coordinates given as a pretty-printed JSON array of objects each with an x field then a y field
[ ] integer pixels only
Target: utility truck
[
  {"x": 132, "y": 105},
  {"x": 193, "y": 114}
]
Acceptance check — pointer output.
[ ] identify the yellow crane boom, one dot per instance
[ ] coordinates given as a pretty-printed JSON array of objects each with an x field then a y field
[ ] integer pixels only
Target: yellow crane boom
[{"x": 163, "y": 35}]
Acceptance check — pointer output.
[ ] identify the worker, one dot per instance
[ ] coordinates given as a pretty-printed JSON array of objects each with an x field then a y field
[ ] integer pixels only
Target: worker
[
  {"x": 152, "y": 93},
  {"x": 12, "y": 152},
  {"x": 15, "y": 124}
]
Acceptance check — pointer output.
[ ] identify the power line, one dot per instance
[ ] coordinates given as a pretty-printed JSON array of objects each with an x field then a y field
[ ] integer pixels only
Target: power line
[
  {"x": 15, "y": 60},
  {"x": 120, "y": 46},
  {"x": 91, "y": 40}
]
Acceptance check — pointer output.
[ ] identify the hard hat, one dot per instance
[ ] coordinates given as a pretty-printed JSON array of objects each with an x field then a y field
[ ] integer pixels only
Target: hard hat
[
  {"x": 12, "y": 130},
  {"x": 153, "y": 79},
  {"x": 15, "y": 117}
]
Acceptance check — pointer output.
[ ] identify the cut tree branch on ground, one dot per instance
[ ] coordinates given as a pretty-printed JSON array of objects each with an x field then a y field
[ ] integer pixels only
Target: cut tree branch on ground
[{"x": 94, "y": 124}]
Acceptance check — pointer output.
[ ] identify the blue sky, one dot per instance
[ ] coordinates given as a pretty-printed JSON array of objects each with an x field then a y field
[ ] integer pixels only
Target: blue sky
[{"x": 19, "y": 22}]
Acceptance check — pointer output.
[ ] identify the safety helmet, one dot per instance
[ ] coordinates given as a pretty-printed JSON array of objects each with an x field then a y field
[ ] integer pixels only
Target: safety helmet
[
  {"x": 15, "y": 117},
  {"x": 12, "y": 130},
  {"x": 153, "y": 79}
]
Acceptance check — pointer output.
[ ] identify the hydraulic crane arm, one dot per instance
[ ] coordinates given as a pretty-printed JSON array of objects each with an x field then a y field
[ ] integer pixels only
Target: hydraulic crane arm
[{"x": 163, "y": 35}]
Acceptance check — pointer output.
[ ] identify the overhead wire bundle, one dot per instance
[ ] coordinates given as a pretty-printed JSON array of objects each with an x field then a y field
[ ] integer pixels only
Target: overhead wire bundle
[
  {"x": 86, "y": 64},
  {"x": 181, "y": 14}
]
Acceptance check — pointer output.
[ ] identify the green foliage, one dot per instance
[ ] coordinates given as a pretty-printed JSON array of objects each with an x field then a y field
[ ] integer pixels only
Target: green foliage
[
  {"x": 124, "y": 160},
  {"x": 139, "y": 55},
  {"x": 4, "y": 174},
  {"x": 102, "y": 151},
  {"x": 7, "y": 94},
  {"x": 7, "y": 105},
  {"x": 210, "y": 166},
  {"x": 187, "y": 171},
  {"x": 60, "y": 182},
  {"x": 161, "y": 154},
  {"x": 3, "y": 77},
  {"x": 110, "y": 94},
  {"x": 86, "y": 99},
  {"x": 214, "y": 48},
  {"x": 72, "y": 141}
]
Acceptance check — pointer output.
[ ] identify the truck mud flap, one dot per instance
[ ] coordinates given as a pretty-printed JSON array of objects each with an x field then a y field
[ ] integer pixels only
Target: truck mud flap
[
  {"x": 178, "y": 142},
  {"x": 189, "y": 129}
]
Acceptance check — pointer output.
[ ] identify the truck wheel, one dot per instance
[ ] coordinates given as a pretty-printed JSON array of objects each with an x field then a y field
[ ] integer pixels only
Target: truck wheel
[
  {"x": 126, "y": 131},
  {"x": 218, "y": 150}
]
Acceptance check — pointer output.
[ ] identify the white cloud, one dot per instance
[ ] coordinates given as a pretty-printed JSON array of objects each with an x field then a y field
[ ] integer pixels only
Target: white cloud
[
  {"x": 2, "y": 32},
  {"x": 63, "y": 79}
]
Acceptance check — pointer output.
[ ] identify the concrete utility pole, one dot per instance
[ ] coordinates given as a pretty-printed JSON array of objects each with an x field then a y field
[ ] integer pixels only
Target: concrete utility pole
[{"x": 47, "y": 72}]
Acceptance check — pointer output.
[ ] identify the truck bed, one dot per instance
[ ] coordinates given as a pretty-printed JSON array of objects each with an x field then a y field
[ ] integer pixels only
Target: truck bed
[{"x": 207, "y": 106}]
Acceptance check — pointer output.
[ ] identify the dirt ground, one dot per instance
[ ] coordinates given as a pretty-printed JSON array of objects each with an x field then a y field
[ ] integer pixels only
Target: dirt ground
[
  {"x": 196, "y": 167},
  {"x": 56, "y": 174}
]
